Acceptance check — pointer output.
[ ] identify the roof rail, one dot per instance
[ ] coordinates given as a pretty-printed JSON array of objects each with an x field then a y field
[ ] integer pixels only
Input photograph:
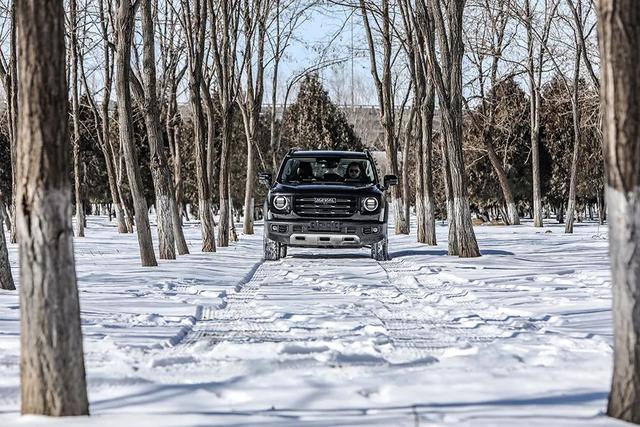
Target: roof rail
[{"x": 292, "y": 150}]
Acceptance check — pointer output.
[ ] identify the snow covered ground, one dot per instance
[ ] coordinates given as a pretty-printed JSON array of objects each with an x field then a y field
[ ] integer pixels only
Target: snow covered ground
[{"x": 520, "y": 336}]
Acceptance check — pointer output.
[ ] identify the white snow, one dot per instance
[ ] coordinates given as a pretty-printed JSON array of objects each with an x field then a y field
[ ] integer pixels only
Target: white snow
[{"x": 520, "y": 336}]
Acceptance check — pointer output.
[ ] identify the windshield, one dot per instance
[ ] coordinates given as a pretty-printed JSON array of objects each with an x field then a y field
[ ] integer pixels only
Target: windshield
[{"x": 350, "y": 171}]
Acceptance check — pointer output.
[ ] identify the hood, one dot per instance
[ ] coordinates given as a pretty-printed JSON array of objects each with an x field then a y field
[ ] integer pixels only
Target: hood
[{"x": 327, "y": 189}]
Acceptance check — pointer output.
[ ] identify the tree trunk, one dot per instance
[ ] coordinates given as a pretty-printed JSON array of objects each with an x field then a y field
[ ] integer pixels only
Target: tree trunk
[
  {"x": 52, "y": 373},
  {"x": 252, "y": 135},
  {"x": 619, "y": 36},
  {"x": 233, "y": 234},
  {"x": 406, "y": 197},
  {"x": 12, "y": 108},
  {"x": 6, "y": 278},
  {"x": 571, "y": 205},
  {"x": 452, "y": 240},
  {"x": 223, "y": 182},
  {"x": 427, "y": 111},
  {"x": 158, "y": 162},
  {"x": 202, "y": 180},
  {"x": 466, "y": 240},
  {"x": 124, "y": 28},
  {"x": 173, "y": 133},
  {"x": 77, "y": 174},
  {"x": 107, "y": 147},
  {"x": 534, "y": 119},
  {"x": 421, "y": 224},
  {"x": 452, "y": 125},
  {"x": 511, "y": 216}
]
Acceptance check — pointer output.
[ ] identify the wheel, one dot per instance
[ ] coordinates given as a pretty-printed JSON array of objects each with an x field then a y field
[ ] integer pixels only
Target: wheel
[
  {"x": 380, "y": 250},
  {"x": 282, "y": 248},
  {"x": 271, "y": 250}
]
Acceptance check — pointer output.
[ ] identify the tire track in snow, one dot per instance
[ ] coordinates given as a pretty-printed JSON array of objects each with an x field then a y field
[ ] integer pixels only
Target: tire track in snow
[
  {"x": 197, "y": 326},
  {"x": 216, "y": 325}
]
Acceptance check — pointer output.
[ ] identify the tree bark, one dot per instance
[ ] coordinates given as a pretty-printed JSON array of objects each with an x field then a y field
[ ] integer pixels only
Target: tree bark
[
  {"x": 77, "y": 173},
  {"x": 619, "y": 37},
  {"x": 223, "y": 182},
  {"x": 427, "y": 112},
  {"x": 196, "y": 20},
  {"x": 12, "y": 107},
  {"x": 420, "y": 191},
  {"x": 124, "y": 30},
  {"x": 385, "y": 99},
  {"x": 452, "y": 240},
  {"x": 107, "y": 147},
  {"x": 158, "y": 162},
  {"x": 173, "y": 134},
  {"x": 52, "y": 370},
  {"x": 6, "y": 278},
  {"x": 406, "y": 197},
  {"x": 577, "y": 136},
  {"x": 535, "y": 101},
  {"x": 511, "y": 216},
  {"x": 448, "y": 83}
]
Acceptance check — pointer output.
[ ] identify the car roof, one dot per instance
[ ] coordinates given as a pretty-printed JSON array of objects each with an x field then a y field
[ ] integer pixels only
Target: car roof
[{"x": 326, "y": 153}]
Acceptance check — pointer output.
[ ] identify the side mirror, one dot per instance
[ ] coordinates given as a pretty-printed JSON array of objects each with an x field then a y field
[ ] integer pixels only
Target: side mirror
[
  {"x": 390, "y": 180},
  {"x": 265, "y": 178}
]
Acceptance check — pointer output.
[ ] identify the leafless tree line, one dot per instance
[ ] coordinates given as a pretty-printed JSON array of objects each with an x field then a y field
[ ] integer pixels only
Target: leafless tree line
[{"x": 220, "y": 66}]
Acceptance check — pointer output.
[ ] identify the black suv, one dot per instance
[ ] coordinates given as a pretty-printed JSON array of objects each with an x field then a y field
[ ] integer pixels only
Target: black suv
[{"x": 326, "y": 199}]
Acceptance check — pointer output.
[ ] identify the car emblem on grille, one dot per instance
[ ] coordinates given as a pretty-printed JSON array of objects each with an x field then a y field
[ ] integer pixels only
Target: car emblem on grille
[{"x": 325, "y": 200}]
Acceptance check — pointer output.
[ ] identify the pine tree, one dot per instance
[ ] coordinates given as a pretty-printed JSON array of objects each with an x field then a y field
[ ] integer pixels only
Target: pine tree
[{"x": 315, "y": 122}]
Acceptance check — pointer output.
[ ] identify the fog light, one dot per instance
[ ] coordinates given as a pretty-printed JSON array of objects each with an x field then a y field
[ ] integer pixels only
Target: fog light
[
  {"x": 375, "y": 229},
  {"x": 274, "y": 227}
]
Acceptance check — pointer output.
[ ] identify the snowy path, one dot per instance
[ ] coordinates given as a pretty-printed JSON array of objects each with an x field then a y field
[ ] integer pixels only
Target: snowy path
[{"x": 519, "y": 336}]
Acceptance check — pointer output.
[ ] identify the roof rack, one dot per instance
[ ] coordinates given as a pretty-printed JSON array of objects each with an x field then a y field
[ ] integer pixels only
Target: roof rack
[{"x": 292, "y": 150}]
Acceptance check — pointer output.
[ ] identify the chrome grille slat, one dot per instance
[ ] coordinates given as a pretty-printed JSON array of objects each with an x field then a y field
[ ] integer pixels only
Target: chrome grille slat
[{"x": 343, "y": 206}]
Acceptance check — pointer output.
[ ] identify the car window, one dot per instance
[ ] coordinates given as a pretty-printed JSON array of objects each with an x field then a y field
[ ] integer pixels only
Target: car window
[{"x": 343, "y": 170}]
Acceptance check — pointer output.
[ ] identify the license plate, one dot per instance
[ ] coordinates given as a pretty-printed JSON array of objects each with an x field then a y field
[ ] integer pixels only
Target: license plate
[{"x": 325, "y": 226}]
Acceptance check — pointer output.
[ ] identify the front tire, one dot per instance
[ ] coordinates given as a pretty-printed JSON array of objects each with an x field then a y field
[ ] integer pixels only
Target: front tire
[
  {"x": 380, "y": 250},
  {"x": 282, "y": 248},
  {"x": 271, "y": 248}
]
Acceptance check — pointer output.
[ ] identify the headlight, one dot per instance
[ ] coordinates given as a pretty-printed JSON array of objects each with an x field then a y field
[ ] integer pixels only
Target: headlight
[
  {"x": 280, "y": 203},
  {"x": 370, "y": 204}
]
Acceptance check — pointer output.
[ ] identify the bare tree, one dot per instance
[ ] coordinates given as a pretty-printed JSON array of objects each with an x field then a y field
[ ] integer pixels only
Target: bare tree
[
  {"x": 194, "y": 22},
  {"x": 424, "y": 106},
  {"x": 101, "y": 117},
  {"x": 382, "y": 77},
  {"x": 488, "y": 39},
  {"x": 536, "y": 51},
  {"x": 288, "y": 15},
  {"x": 52, "y": 367},
  {"x": 147, "y": 94},
  {"x": 6, "y": 278},
  {"x": 250, "y": 103},
  {"x": 444, "y": 22},
  {"x": 619, "y": 35},
  {"x": 9, "y": 76},
  {"x": 171, "y": 47},
  {"x": 577, "y": 136},
  {"x": 75, "y": 114},
  {"x": 224, "y": 33},
  {"x": 124, "y": 34}
]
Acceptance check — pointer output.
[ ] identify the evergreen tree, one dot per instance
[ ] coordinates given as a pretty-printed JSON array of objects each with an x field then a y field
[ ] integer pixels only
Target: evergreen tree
[
  {"x": 315, "y": 122},
  {"x": 511, "y": 144}
]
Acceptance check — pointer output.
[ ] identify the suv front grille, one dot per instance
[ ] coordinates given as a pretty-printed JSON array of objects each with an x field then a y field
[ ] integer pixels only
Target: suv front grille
[{"x": 325, "y": 206}]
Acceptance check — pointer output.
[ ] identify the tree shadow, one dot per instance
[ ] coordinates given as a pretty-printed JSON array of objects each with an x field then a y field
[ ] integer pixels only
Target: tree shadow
[{"x": 442, "y": 252}]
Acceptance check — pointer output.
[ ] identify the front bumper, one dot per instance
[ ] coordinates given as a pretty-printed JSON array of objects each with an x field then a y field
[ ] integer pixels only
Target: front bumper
[{"x": 352, "y": 234}]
